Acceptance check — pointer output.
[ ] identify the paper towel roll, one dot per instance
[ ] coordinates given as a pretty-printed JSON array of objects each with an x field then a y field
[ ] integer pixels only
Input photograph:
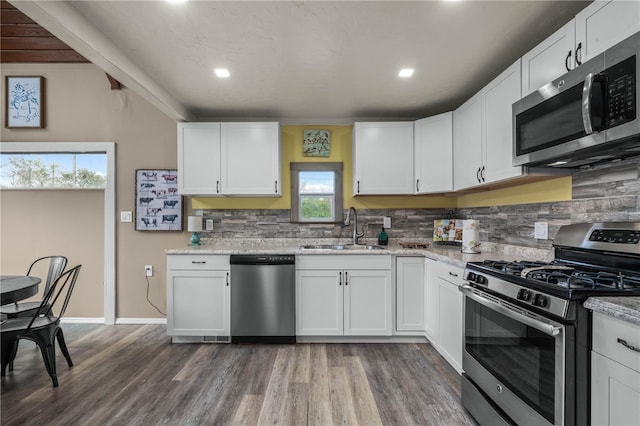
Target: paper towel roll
[{"x": 470, "y": 236}]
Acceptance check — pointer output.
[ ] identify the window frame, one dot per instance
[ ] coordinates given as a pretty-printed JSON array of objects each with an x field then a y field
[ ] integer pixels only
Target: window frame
[{"x": 336, "y": 168}]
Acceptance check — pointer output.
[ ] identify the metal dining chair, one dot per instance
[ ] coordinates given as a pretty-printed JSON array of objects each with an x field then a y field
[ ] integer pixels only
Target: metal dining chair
[
  {"x": 43, "y": 327},
  {"x": 56, "y": 267}
]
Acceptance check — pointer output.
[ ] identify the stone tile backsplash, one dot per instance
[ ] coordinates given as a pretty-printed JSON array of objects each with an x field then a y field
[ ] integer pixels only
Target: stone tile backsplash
[{"x": 605, "y": 192}]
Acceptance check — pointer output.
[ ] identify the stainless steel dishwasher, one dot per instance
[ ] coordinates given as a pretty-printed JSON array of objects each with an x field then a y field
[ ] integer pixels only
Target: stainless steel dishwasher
[{"x": 263, "y": 299}]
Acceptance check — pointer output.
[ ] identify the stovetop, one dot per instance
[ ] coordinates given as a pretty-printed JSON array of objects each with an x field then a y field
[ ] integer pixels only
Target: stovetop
[{"x": 566, "y": 275}]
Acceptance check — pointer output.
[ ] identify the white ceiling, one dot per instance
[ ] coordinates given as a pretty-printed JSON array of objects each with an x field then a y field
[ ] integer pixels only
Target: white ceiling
[{"x": 302, "y": 61}]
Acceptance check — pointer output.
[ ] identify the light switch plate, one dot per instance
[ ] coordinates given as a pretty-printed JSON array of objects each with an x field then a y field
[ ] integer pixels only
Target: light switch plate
[
  {"x": 209, "y": 225},
  {"x": 126, "y": 216},
  {"x": 541, "y": 230},
  {"x": 386, "y": 222}
]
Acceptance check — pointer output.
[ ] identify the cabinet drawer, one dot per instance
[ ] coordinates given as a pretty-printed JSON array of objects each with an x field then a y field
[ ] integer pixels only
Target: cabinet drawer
[
  {"x": 344, "y": 261},
  {"x": 196, "y": 262},
  {"x": 449, "y": 272},
  {"x": 607, "y": 331}
]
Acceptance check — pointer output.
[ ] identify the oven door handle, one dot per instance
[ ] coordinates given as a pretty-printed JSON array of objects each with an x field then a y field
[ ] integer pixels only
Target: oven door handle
[{"x": 550, "y": 329}]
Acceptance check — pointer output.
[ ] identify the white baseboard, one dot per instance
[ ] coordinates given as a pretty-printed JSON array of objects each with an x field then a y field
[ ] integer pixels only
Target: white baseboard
[
  {"x": 141, "y": 321},
  {"x": 91, "y": 320},
  {"x": 82, "y": 320}
]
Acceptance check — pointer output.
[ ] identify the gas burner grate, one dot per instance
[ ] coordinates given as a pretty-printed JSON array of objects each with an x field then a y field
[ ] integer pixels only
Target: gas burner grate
[
  {"x": 512, "y": 268},
  {"x": 576, "y": 279}
]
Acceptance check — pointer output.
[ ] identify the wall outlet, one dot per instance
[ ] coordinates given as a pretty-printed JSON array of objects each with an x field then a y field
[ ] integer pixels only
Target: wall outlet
[
  {"x": 148, "y": 270},
  {"x": 386, "y": 222},
  {"x": 541, "y": 230},
  {"x": 209, "y": 225}
]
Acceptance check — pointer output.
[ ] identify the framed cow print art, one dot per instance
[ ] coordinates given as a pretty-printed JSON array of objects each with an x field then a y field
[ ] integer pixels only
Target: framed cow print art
[{"x": 158, "y": 205}]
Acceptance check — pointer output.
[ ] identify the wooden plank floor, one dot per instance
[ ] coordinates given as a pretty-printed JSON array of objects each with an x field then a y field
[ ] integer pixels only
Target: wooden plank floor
[{"x": 133, "y": 375}]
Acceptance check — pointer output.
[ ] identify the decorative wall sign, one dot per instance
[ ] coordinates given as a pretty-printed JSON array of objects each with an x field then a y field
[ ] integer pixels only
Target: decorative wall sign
[
  {"x": 317, "y": 143},
  {"x": 158, "y": 205},
  {"x": 24, "y": 106}
]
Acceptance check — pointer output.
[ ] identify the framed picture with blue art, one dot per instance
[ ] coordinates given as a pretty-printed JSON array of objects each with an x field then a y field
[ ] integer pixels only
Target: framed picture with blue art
[
  {"x": 316, "y": 143},
  {"x": 24, "y": 106}
]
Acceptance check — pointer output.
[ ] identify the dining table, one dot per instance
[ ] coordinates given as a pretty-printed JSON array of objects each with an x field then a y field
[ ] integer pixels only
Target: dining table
[{"x": 14, "y": 288}]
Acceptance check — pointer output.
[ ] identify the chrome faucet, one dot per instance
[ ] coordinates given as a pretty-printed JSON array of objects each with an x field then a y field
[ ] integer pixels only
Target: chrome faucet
[{"x": 347, "y": 222}]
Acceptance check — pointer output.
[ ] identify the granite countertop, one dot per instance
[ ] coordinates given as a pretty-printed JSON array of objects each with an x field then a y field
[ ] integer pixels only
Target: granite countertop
[
  {"x": 622, "y": 308},
  {"x": 449, "y": 254}
]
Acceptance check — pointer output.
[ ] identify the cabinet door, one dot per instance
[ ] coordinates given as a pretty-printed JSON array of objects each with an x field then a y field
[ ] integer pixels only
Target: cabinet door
[
  {"x": 250, "y": 155},
  {"x": 319, "y": 303},
  {"x": 432, "y": 299},
  {"x": 410, "y": 289},
  {"x": 450, "y": 323},
  {"x": 198, "y": 303},
  {"x": 497, "y": 98},
  {"x": 602, "y": 24},
  {"x": 367, "y": 303},
  {"x": 549, "y": 60},
  {"x": 615, "y": 393},
  {"x": 467, "y": 144},
  {"x": 433, "y": 145},
  {"x": 383, "y": 158},
  {"x": 199, "y": 158}
]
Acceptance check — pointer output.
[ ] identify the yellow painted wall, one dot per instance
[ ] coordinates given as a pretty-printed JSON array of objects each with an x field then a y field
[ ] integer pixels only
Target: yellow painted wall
[{"x": 539, "y": 192}]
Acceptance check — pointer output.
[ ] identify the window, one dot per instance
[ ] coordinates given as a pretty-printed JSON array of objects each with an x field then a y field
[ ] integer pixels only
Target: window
[
  {"x": 53, "y": 171},
  {"x": 316, "y": 192}
]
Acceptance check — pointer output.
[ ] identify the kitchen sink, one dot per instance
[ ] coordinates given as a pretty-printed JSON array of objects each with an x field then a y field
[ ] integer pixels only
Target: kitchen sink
[{"x": 341, "y": 247}]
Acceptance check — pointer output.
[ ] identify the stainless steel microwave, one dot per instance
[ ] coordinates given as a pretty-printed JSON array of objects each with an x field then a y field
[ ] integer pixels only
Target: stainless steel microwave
[{"x": 586, "y": 116}]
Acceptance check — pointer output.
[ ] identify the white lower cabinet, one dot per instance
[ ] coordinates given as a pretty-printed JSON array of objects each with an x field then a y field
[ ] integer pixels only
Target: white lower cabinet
[
  {"x": 444, "y": 314},
  {"x": 615, "y": 372},
  {"x": 343, "y": 295},
  {"x": 198, "y": 301},
  {"x": 410, "y": 293}
]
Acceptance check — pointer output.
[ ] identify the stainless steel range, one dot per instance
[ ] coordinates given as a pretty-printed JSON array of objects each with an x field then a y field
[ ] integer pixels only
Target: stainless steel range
[{"x": 527, "y": 337}]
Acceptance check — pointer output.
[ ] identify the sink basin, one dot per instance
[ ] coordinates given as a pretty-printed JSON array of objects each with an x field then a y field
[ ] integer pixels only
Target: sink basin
[{"x": 341, "y": 247}]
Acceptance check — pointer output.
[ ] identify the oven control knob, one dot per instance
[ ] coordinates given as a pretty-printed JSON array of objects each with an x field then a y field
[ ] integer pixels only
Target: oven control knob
[
  {"x": 481, "y": 279},
  {"x": 540, "y": 300},
  {"x": 471, "y": 277},
  {"x": 524, "y": 294}
]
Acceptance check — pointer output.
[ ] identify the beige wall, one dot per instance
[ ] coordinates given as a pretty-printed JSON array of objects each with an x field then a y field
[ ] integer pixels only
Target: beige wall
[
  {"x": 44, "y": 223},
  {"x": 80, "y": 107}
]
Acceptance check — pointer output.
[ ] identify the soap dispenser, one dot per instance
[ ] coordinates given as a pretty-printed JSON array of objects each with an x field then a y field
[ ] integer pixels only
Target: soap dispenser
[{"x": 383, "y": 239}]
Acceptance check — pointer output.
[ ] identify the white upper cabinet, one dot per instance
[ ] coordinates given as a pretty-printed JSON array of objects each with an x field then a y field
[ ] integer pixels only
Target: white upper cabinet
[
  {"x": 497, "y": 99},
  {"x": 382, "y": 158},
  {"x": 433, "y": 147},
  {"x": 549, "y": 60},
  {"x": 597, "y": 27},
  {"x": 199, "y": 158},
  {"x": 602, "y": 24},
  {"x": 235, "y": 159},
  {"x": 467, "y": 143},
  {"x": 250, "y": 155},
  {"x": 483, "y": 151}
]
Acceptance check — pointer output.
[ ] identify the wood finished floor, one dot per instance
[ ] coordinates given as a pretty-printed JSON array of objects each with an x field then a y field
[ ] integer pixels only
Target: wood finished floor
[{"x": 133, "y": 375}]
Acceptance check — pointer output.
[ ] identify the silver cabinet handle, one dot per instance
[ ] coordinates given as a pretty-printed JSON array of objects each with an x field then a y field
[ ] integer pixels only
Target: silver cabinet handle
[
  {"x": 227, "y": 279},
  {"x": 340, "y": 281},
  {"x": 276, "y": 188},
  {"x": 217, "y": 187},
  {"x": 417, "y": 185},
  {"x": 198, "y": 262},
  {"x": 482, "y": 173},
  {"x": 478, "y": 175},
  {"x": 628, "y": 346},
  {"x": 358, "y": 189},
  {"x": 346, "y": 278},
  {"x": 452, "y": 274},
  {"x": 566, "y": 61},
  {"x": 578, "y": 49}
]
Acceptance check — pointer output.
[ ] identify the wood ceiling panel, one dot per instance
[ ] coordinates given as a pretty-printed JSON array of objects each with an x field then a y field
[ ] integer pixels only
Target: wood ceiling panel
[{"x": 24, "y": 41}]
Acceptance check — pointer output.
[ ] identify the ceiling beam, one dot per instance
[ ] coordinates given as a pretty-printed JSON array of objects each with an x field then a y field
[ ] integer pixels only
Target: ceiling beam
[{"x": 64, "y": 22}]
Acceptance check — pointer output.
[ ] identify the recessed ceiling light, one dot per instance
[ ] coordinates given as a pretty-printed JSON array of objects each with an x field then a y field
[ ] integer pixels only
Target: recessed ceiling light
[
  {"x": 222, "y": 72},
  {"x": 176, "y": 1},
  {"x": 405, "y": 72}
]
